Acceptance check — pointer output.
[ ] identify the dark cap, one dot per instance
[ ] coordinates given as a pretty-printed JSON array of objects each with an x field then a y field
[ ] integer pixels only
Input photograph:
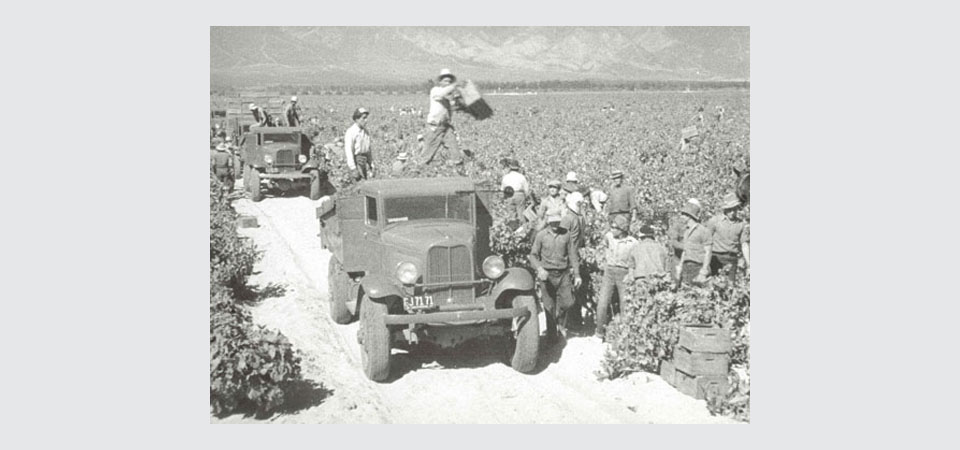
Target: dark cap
[{"x": 646, "y": 230}]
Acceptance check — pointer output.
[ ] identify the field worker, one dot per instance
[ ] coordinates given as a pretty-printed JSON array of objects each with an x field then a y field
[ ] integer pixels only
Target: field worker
[
  {"x": 259, "y": 115},
  {"x": 676, "y": 229},
  {"x": 521, "y": 188},
  {"x": 356, "y": 145},
  {"x": 399, "y": 164},
  {"x": 719, "y": 113},
  {"x": 616, "y": 268},
  {"x": 731, "y": 238},
  {"x": 555, "y": 258},
  {"x": 621, "y": 201},
  {"x": 572, "y": 217},
  {"x": 697, "y": 240},
  {"x": 649, "y": 256},
  {"x": 221, "y": 164},
  {"x": 419, "y": 151},
  {"x": 440, "y": 130},
  {"x": 292, "y": 111},
  {"x": 552, "y": 204},
  {"x": 598, "y": 199}
]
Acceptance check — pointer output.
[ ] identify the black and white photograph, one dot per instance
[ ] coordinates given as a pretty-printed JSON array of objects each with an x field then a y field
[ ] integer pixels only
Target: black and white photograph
[{"x": 479, "y": 225}]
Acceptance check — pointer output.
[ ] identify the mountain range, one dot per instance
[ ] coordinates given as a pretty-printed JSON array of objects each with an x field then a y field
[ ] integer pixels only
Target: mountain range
[{"x": 247, "y": 56}]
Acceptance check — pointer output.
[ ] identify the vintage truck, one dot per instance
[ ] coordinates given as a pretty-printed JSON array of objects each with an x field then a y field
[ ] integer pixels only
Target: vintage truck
[
  {"x": 279, "y": 158},
  {"x": 411, "y": 258}
]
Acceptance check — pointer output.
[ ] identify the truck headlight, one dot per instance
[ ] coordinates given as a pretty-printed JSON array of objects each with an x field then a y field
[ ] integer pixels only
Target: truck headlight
[
  {"x": 302, "y": 159},
  {"x": 407, "y": 273},
  {"x": 268, "y": 159},
  {"x": 493, "y": 267}
]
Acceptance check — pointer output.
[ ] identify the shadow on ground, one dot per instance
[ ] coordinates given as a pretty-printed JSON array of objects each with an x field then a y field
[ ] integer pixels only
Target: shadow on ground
[
  {"x": 256, "y": 294},
  {"x": 297, "y": 396}
]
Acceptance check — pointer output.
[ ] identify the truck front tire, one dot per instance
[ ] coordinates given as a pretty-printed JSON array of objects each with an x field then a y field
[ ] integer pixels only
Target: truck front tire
[
  {"x": 339, "y": 287},
  {"x": 527, "y": 348},
  {"x": 255, "y": 193},
  {"x": 375, "y": 345}
]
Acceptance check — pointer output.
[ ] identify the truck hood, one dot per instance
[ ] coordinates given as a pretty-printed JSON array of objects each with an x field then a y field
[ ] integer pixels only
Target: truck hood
[{"x": 420, "y": 236}]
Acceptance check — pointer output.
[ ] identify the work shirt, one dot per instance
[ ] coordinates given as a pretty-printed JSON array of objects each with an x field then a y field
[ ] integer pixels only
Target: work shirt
[
  {"x": 292, "y": 111},
  {"x": 695, "y": 241},
  {"x": 621, "y": 200},
  {"x": 619, "y": 251},
  {"x": 440, "y": 105},
  {"x": 573, "y": 223},
  {"x": 649, "y": 257},
  {"x": 554, "y": 251},
  {"x": 728, "y": 234},
  {"x": 551, "y": 206},
  {"x": 397, "y": 167},
  {"x": 517, "y": 181},
  {"x": 356, "y": 141},
  {"x": 221, "y": 159}
]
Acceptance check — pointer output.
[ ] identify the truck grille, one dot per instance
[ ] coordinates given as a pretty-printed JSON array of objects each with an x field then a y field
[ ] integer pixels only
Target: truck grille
[
  {"x": 285, "y": 158},
  {"x": 447, "y": 264}
]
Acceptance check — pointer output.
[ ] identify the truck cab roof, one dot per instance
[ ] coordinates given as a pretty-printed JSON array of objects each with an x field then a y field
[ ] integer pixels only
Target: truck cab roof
[{"x": 400, "y": 187}]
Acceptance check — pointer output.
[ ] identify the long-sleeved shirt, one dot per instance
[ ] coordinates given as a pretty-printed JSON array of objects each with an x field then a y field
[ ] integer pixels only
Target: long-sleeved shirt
[
  {"x": 440, "y": 104},
  {"x": 551, "y": 206},
  {"x": 619, "y": 251},
  {"x": 356, "y": 141},
  {"x": 517, "y": 181},
  {"x": 554, "y": 251},
  {"x": 728, "y": 235},
  {"x": 696, "y": 239},
  {"x": 649, "y": 257},
  {"x": 573, "y": 223},
  {"x": 621, "y": 200}
]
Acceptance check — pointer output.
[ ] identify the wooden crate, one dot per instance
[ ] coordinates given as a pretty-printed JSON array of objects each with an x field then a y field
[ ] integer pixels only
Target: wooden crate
[
  {"x": 700, "y": 363},
  {"x": 690, "y": 132},
  {"x": 705, "y": 338},
  {"x": 247, "y": 222},
  {"x": 699, "y": 386},
  {"x": 668, "y": 372}
]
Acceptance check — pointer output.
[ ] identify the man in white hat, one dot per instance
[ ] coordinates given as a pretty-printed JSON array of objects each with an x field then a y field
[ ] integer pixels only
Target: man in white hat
[
  {"x": 554, "y": 256},
  {"x": 292, "y": 111},
  {"x": 731, "y": 238},
  {"x": 221, "y": 164},
  {"x": 399, "y": 164},
  {"x": 259, "y": 115},
  {"x": 356, "y": 146},
  {"x": 520, "y": 187},
  {"x": 440, "y": 130},
  {"x": 552, "y": 204}
]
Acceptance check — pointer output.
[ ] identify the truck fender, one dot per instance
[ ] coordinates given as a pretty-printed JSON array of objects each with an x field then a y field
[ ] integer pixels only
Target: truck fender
[
  {"x": 380, "y": 288},
  {"x": 516, "y": 279}
]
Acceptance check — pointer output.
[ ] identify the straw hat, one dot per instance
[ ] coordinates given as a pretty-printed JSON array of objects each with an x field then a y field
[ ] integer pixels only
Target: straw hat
[
  {"x": 730, "y": 201},
  {"x": 691, "y": 210},
  {"x": 446, "y": 73}
]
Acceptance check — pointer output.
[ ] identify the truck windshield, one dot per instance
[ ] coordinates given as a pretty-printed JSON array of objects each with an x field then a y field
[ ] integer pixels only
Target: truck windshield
[
  {"x": 277, "y": 137},
  {"x": 453, "y": 206}
]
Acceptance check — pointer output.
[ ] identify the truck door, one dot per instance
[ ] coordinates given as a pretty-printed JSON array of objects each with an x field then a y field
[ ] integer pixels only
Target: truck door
[
  {"x": 350, "y": 215},
  {"x": 369, "y": 250}
]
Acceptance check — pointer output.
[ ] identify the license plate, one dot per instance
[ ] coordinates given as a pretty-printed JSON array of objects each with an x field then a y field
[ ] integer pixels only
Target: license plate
[{"x": 418, "y": 302}]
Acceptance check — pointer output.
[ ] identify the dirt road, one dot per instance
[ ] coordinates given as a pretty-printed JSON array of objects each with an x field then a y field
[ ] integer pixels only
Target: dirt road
[{"x": 471, "y": 385}]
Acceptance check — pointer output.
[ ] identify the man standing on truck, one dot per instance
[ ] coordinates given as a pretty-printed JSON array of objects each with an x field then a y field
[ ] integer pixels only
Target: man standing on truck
[
  {"x": 356, "y": 145},
  {"x": 259, "y": 115},
  {"x": 555, "y": 258},
  {"x": 440, "y": 130},
  {"x": 292, "y": 111}
]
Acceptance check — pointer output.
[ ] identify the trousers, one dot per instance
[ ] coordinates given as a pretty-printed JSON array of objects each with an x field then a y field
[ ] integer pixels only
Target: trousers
[
  {"x": 612, "y": 281},
  {"x": 441, "y": 135},
  {"x": 557, "y": 296}
]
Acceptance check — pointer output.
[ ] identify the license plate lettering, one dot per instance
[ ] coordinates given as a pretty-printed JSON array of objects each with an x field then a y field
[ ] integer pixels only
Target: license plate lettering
[{"x": 418, "y": 302}]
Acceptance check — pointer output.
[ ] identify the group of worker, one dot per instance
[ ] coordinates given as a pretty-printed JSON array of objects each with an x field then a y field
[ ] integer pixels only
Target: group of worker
[
  {"x": 698, "y": 249},
  {"x": 263, "y": 118}
]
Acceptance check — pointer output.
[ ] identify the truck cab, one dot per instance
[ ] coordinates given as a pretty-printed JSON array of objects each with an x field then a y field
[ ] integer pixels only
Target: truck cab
[
  {"x": 279, "y": 159},
  {"x": 411, "y": 258}
]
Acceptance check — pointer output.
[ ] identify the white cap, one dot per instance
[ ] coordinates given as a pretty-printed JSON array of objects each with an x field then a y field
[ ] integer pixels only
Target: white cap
[
  {"x": 229, "y": 139},
  {"x": 572, "y": 176},
  {"x": 293, "y": 99},
  {"x": 419, "y": 137},
  {"x": 253, "y": 107},
  {"x": 695, "y": 202},
  {"x": 446, "y": 73}
]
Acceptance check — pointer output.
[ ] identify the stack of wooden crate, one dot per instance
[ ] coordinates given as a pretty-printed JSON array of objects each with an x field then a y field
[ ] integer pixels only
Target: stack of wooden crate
[{"x": 700, "y": 362}]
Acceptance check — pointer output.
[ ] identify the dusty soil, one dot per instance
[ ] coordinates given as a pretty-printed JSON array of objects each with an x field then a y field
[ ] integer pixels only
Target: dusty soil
[{"x": 469, "y": 385}]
